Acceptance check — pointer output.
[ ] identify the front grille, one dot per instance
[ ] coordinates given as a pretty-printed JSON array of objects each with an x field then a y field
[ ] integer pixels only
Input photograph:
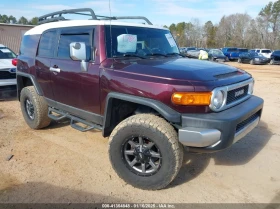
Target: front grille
[
  {"x": 233, "y": 95},
  {"x": 245, "y": 122},
  {"x": 7, "y": 75}
]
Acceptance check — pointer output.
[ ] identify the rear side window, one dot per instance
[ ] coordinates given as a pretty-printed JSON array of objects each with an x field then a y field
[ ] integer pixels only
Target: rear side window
[
  {"x": 66, "y": 39},
  {"x": 258, "y": 51},
  {"x": 29, "y": 45},
  {"x": 46, "y": 46},
  {"x": 266, "y": 51}
]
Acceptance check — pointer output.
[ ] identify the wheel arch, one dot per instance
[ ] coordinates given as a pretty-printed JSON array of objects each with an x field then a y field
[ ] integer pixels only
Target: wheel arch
[
  {"x": 143, "y": 105},
  {"x": 25, "y": 79}
]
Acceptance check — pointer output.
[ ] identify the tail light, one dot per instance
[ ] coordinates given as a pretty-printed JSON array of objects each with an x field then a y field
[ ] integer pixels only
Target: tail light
[{"x": 14, "y": 62}]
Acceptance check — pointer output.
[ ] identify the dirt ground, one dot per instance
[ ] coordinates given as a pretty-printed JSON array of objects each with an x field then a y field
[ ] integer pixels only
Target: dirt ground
[{"x": 62, "y": 165}]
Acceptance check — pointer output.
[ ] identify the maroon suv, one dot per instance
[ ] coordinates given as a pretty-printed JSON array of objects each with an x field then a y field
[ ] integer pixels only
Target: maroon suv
[{"x": 129, "y": 81}]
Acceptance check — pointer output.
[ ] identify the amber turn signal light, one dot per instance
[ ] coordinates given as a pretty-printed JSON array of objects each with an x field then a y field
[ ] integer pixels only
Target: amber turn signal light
[{"x": 191, "y": 98}]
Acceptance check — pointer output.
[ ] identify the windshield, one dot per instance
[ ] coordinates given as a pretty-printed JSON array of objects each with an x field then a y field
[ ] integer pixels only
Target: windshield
[
  {"x": 138, "y": 41},
  {"x": 232, "y": 50},
  {"x": 6, "y": 53},
  {"x": 217, "y": 52},
  {"x": 266, "y": 51},
  {"x": 243, "y": 50}
]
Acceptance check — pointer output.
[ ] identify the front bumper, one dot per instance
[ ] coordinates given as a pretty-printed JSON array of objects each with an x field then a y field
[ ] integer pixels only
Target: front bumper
[
  {"x": 8, "y": 82},
  {"x": 216, "y": 131}
]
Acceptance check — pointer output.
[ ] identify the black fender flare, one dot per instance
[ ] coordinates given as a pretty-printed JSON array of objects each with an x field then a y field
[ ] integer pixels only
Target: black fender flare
[
  {"x": 165, "y": 111},
  {"x": 20, "y": 84}
]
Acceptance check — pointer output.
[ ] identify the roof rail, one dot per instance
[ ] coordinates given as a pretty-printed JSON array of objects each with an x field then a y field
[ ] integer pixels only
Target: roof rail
[
  {"x": 51, "y": 17},
  {"x": 57, "y": 16}
]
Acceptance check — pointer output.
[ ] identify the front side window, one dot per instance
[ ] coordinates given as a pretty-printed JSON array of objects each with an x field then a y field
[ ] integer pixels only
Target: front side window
[
  {"x": 127, "y": 40},
  {"x": 64, "y": 44},
  {"x": 6, "y": 53},
  {"x": 46, "y": 46}
]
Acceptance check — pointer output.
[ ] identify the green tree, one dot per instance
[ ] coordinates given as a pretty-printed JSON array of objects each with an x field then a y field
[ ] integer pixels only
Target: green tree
[
  {"x": 12, "y": 19},
  {"x": 4, "y": 19},
  {"x": 34, "y": 21},
  {"x": 23, "y": 21}
]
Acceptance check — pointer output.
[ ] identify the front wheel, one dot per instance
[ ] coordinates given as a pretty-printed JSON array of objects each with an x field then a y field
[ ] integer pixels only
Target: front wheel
[
  {"x": 252, "y": 62},
  {"x": 145, "y": 152},
  {"x": 271, "y": 62},
  {"x": 239, "y": 60}
]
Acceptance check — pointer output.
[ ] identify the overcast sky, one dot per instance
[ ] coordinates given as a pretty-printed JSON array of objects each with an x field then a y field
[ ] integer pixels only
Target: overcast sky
[{"x": 160, "y": 12}]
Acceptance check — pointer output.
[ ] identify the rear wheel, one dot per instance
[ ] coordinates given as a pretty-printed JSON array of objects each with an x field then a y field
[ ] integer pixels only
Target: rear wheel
[
  {"x": 34, "y": 108},
  {"x": 145, "y": 152}
]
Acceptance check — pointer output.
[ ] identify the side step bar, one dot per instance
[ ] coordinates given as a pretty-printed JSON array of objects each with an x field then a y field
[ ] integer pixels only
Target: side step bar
[{"x": 73, "y": 120}]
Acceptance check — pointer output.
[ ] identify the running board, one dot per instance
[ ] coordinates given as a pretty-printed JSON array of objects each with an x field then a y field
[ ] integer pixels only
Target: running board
[{"x": 73, "y": 120}]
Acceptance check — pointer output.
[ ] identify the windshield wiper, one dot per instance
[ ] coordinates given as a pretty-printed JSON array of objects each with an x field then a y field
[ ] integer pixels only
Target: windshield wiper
[
  {"x": 156, "y": 54},
  {"x": 173, "y": 53},
  {"x": 130, "y": 55}
]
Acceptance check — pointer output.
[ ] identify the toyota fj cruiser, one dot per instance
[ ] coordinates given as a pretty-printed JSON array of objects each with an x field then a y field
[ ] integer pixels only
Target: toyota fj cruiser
[{"x": 129, "y": 81}]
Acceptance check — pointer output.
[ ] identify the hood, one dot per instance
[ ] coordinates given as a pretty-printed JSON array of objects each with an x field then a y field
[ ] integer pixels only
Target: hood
[
  {"x": 175, "y": 68},
  {"x": 6, "y": 63}
]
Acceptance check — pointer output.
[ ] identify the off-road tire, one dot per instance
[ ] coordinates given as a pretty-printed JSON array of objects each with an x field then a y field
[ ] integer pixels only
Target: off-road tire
[
  {"x": 41, "y": 118},
  {"x": 162, "y": 134}
]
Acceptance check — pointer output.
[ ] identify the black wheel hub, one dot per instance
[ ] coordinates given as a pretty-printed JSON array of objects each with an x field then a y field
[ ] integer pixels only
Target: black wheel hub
[{"x": 142, "y": 155}]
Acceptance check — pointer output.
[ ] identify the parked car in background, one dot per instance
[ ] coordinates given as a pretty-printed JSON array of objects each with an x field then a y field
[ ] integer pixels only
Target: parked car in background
[
  {"x": 182, "y": 49},
  {"x": 192, "y": 53},
  {"x": 230, "y": 52},
  {"x": 266, "y": 52},
  {"x": 252, "y": 58},
  {"x": 7, "y": 71},
  {"x": 275, "y": 57},
  {"x": 217, "y": 55}
]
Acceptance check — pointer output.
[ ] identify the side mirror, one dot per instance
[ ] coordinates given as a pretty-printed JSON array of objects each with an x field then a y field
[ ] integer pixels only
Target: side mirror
[{"x": 78, "y": 53}]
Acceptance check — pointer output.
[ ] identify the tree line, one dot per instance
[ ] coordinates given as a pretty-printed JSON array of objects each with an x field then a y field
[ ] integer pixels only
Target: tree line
[
  {"x": 236, "y": 30},
  {"x": 12, "y": 20}
]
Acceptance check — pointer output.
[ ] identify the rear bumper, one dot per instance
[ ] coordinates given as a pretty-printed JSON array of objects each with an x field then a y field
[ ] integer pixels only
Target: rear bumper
[{"x": 216, "y": 131}]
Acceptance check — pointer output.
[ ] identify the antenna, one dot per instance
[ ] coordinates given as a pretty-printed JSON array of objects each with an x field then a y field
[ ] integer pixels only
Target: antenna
[{"x": 111, "y": 30}]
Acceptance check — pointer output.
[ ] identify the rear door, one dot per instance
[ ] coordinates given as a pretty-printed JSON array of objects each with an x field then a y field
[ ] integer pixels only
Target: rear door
[
  {"x": 45, "y": 53},
  {"x": 71, "y": 86}
]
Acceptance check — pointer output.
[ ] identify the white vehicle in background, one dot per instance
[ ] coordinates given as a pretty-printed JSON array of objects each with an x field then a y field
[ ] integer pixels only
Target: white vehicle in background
[
  {"x": 7, "y": 71},
  {"x": 265, "y": 52}
]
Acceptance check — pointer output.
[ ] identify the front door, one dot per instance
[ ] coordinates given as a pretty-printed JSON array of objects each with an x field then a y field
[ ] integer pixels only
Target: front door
[{"x": 71, "y": 86}]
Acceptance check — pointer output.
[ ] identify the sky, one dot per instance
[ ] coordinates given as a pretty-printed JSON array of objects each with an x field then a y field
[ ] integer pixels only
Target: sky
[{"x": 159, "y": 12}]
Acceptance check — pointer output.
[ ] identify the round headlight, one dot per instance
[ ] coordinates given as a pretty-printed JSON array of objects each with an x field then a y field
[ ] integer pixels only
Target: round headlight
[
  {"x": 218, "y": 99},
  {"x": 251, "y": 88}
]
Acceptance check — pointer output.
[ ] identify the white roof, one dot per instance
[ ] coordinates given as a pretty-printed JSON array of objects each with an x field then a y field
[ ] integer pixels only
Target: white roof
[{"x": 41, "y": 28}]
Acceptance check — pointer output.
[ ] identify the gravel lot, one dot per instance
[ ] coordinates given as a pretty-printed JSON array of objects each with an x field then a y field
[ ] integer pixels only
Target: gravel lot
[{"x": 61, "y": 165}]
